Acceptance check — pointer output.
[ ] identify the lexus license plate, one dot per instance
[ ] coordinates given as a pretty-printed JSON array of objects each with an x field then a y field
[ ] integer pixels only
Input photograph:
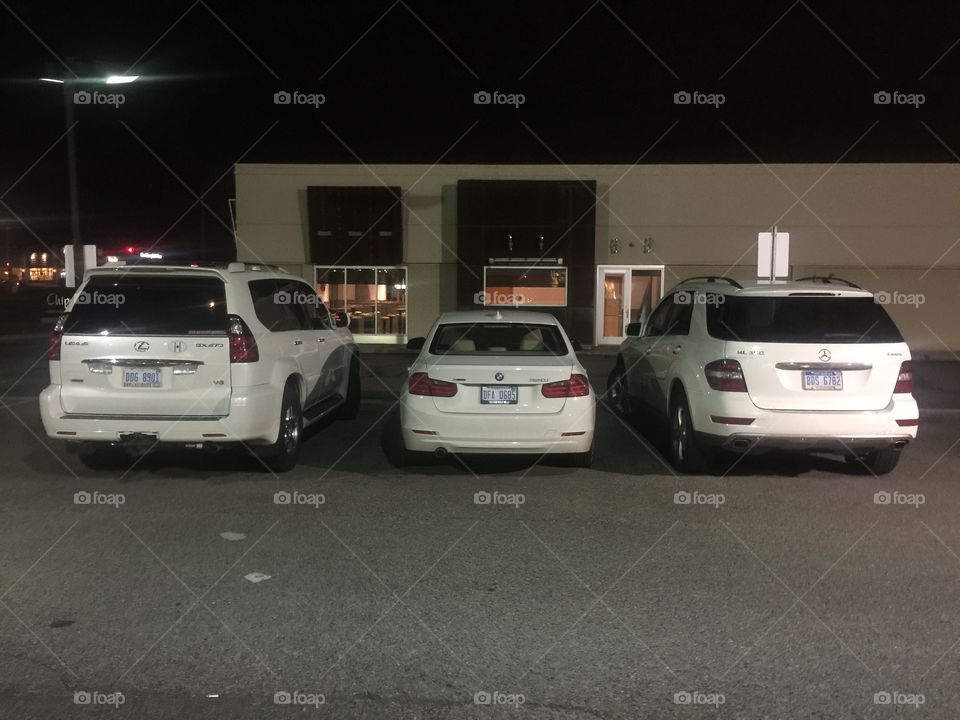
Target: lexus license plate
[{"x": 138, "y": 377}]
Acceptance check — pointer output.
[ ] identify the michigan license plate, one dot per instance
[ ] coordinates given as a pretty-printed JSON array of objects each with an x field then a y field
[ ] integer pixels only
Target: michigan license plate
[
  {"x": 133, "y": 377},
  {"x": 822, "y": 380},
  {"x": 498, "y": 394}
]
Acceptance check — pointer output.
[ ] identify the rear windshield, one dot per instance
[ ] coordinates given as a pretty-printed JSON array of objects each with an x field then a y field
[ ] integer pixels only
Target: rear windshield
[
  {"x": 153, "y": 305},
  {"x": 793, "y": 319},
  {"x": 498, "y": 338}
]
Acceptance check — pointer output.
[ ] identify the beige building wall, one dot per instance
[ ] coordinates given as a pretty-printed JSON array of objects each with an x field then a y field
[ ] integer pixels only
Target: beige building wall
[{"x": 884, "y": 226}]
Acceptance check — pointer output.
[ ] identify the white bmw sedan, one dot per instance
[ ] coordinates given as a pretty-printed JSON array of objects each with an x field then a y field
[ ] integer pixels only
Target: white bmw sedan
[{"x": 497, "y": 382}]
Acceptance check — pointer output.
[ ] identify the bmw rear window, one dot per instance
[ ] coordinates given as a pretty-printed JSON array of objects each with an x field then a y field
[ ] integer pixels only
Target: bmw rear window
[
  {"x": 132, "y": 305},
  {"x": 801, "y": 319},
  {"x": 497, "y": 339}
]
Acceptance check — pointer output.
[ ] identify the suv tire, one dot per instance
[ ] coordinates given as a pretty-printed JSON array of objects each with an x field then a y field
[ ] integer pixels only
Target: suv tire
[
  {"x": 285, "y": 451},
  {"x": 618, "y": 396},
  {"x": 350, "y": 407},
  {"x": 877, "y": 462},
  {"x": 686, "y": 455}
]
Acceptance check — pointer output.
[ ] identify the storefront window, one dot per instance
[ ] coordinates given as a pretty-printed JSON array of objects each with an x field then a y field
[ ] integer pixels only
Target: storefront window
[
  {"x": 374, "y": 297},
  {"x": 516, "y": 286}
]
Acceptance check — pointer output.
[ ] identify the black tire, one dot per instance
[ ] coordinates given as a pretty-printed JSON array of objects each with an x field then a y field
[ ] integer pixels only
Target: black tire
[
  {"x": 686, "y": 454},
  {"x": 876, "y": 462},
  {"x": 285, "y": 451},
  {"x": 351, "y": 403},
  {"x": 618, "y": 396}
]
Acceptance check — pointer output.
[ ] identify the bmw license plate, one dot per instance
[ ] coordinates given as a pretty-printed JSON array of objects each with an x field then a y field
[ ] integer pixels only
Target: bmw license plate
[
  {"x": 498, "y": 394},
  {"x": 822, "y": 380},
  {"x": 136, "y": 377}
]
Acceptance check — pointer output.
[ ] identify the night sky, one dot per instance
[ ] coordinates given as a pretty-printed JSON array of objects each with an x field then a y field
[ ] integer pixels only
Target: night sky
[{"x": 798, "y": 81}]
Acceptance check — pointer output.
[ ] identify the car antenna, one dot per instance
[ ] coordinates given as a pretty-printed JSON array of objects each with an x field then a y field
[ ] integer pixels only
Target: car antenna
[{"x": 498, "y": 316}]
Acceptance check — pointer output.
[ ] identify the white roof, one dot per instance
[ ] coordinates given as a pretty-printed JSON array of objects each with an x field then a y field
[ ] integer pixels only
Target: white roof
[{"x": 505, "y": 315}]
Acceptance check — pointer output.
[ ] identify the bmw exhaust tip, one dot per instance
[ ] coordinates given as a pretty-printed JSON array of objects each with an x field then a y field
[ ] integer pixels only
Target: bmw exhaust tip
[{"x": 440, "y": 453}]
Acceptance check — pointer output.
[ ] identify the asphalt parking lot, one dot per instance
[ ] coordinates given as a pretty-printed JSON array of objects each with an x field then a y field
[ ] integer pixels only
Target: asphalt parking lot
[{"x": 186, "y": 586}]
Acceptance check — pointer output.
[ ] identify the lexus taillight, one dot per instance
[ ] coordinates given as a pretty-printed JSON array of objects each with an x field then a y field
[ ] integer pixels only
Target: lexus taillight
[
  {"x": 576, "y": 386},
  {"x": 243, "y": 346},
  {"x": 423, "y": 384},
  {"x": 725, "y": 375},
  {"x": 904, "y": 379},
  {"x": 53, "y": 351}
]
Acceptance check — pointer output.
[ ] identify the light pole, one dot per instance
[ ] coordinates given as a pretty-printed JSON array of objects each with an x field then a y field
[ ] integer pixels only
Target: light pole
[{"x": 69, "y": 84}]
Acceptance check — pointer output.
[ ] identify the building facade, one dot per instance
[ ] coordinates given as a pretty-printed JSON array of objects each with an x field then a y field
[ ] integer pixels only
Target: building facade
[{"x": 597, "y": 245}]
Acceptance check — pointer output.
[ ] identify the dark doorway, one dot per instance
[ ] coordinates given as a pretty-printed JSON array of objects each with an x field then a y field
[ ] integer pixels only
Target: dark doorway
[{"x": 519, "y": 222}]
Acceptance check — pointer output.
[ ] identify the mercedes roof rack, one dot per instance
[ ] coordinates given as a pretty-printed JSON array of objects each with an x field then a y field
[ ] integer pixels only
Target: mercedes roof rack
[
  {"x": 827, "y": 279},
  {"x": 713, "y": 278}
]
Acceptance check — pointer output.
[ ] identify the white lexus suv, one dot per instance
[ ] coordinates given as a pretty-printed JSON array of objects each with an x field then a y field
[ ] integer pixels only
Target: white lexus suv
[
  {"x": 497, "y": 382},
  {"x": 198, "y": 357},
  {"x": 811, "y": 365}
]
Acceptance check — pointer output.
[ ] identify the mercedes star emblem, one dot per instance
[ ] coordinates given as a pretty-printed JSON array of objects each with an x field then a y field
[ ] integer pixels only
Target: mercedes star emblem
[{"x": 824, "y": 355}]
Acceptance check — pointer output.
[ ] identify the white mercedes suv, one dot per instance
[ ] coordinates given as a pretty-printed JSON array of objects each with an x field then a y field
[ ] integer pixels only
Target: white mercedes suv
[
  {"x": 811, "y": 365},
  {"x": 497, "y": 382},
  {"x": 197, "y": 356}
]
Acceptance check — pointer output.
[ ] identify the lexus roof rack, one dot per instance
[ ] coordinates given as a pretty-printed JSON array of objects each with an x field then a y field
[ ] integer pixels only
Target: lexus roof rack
[
  {"x": 713, "y": 278},
  {"x": 826, "y": 279}
]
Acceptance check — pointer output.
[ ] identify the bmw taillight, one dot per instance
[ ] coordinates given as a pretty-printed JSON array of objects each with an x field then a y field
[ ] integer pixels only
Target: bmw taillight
[
  {"x": 53, "y": 351},
  {"x": 725, "y": 375},
  {"x": 905, "y": 378},
  {"x": 243, "y": 346},
  {"x": 576, "y": 386},
  {"x": 423, "y": 384}
]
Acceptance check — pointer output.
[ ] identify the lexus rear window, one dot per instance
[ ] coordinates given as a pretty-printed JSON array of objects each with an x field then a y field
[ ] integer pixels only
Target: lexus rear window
[
  {"x": 822, "y": 319},
  {"x": 133, "y": 305},
  {"x": 497, "y": 338}
]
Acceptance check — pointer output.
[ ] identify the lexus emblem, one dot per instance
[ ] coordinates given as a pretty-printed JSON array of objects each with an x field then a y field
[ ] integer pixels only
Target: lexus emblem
[
  {"x": 177, "y": 346},
  {"x": 141, "y": 346},
  {"x": 825, "y": 355},
  {"x": 498, "y": 377}
]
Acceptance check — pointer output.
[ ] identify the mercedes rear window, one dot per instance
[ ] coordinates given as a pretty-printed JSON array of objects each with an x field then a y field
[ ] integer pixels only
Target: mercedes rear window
[
  {"x": 498, "y": 339},
  {"x": 801, "y": 319},
  {"x": 138, "y": 305}
]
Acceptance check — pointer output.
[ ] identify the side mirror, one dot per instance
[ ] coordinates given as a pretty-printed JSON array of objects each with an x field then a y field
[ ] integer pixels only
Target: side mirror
[
  {"x": 415, "y": 343},
  {"x": 341, "y": 318},
  {"x": 635, "y": 329},
  {"x": 577, "y": 346}
]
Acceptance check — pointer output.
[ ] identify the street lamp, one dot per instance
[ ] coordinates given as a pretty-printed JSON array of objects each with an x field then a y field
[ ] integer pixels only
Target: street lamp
[{"x": 69, "y": 83}]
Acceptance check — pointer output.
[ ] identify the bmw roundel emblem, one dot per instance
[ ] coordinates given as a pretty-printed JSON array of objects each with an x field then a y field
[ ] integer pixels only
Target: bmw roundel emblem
[{"x": 498, "y": 377}]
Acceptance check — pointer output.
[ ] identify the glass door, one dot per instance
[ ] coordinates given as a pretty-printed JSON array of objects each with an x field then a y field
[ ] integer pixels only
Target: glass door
[{"x": 625, "y": 294}]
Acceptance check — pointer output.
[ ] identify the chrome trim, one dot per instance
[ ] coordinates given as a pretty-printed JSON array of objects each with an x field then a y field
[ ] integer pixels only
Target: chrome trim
[
  {"x": 141, "y": 362},
  {"x": 823, "y": 366}
]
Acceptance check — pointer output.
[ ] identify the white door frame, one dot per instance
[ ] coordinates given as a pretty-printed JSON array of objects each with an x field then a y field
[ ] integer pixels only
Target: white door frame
[{"x": 625, "y": 270}]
